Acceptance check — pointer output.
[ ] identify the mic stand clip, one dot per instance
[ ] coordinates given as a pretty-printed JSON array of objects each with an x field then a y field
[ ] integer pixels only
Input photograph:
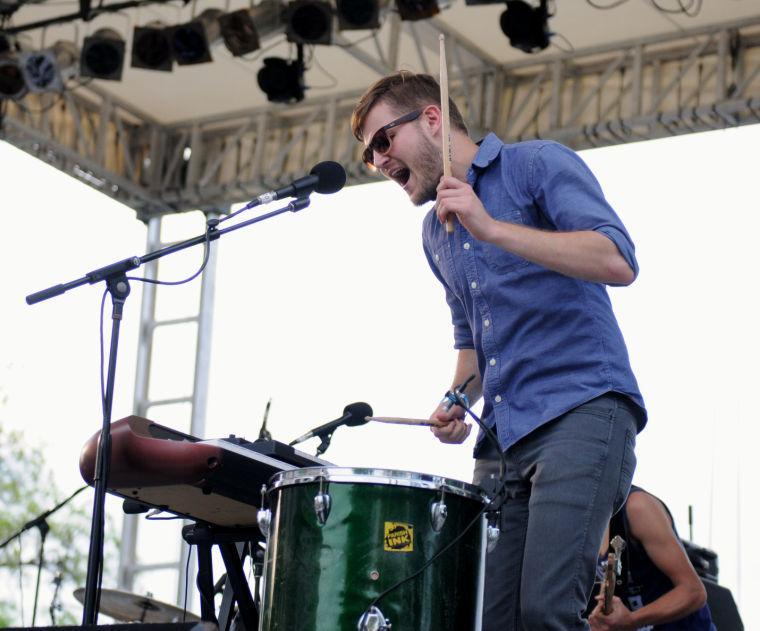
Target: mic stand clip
[{"x": 326, "y": 438}]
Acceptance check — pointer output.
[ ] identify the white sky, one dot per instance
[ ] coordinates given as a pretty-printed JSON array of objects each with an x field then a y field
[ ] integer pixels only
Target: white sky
[{"x": 336, "y": 304}]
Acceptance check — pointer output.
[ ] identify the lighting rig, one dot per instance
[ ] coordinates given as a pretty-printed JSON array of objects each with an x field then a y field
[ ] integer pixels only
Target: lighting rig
[{"x": 157, "y": 46}]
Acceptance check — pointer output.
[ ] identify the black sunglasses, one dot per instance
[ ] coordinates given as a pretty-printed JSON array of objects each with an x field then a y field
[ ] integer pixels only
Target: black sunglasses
[{"x": 380, "y": 141}]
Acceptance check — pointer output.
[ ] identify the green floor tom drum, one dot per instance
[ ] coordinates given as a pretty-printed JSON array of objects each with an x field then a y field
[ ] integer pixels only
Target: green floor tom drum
[{"x": 339, "y": 537}]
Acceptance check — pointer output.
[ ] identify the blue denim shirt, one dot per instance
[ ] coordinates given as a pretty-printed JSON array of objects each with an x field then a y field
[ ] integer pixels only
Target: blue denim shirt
[{"x": 545, "y": 342}]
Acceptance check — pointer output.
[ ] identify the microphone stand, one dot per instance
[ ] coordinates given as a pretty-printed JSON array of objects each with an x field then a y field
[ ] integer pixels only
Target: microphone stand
[
  {"x": 117, "y": 284},
  {"x": 40, "y": 522},
  {"x": 44, "y": 529}
]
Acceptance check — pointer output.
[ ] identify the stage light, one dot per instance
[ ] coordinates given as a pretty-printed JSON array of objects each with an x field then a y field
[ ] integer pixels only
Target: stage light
[
  {"x": 244, "y": 29},
  {"x": 12, "y": 84},
  {"x": 102, "y": 55},
  {"x": 47, "y": 70},
  {"x": 191, "y": 42},
  {"x": 309, "y": 22},
  {"x": 358, "y": 14},
  {"x": 151, "y": 49},
  {"x": 239, "y": 32},
  {"x": 281, "y": 80},
  {"x": 526, "y": 27},
  {"x": 417, "y": 9}
]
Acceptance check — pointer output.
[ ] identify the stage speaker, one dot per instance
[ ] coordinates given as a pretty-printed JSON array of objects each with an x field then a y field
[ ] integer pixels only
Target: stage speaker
[
  {"x": 705, "y": 561},
  {"x": 725, "y": 615}
]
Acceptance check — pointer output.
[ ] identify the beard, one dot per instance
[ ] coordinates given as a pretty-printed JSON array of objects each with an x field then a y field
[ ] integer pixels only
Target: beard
[{"x": 428, "y": 169}]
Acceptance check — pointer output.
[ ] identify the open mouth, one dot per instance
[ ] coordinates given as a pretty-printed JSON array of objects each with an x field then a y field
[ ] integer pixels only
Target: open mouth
[{"x": 401, "y": 176}]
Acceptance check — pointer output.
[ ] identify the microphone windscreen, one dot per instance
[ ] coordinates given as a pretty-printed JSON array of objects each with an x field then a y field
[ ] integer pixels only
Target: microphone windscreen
[
  {"x": 332, "y": 177},
  {"x": 359, "y": 413}
]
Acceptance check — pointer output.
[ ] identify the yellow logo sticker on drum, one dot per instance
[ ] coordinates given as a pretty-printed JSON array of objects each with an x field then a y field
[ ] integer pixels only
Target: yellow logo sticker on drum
[{"x": 398, "y": 537}]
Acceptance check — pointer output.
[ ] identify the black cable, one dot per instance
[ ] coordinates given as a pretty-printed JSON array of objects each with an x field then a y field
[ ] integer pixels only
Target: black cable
[
  {"x": 206, "y": 254},
  {"x": 493, "y": 505},
  {"x": 691, "y": 9},
  {"x": 612, "y": 5},
  {"x": 187, "y": 576},
  {"x": 569, "y": 49},
  {"x": 358, "y": 41},
  {"x": 425, "y": 565},
  {"x": 102, "y": 350}
]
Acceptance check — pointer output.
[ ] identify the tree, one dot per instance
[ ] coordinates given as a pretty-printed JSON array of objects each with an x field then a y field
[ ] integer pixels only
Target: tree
[{"x": 28, "y": 489}]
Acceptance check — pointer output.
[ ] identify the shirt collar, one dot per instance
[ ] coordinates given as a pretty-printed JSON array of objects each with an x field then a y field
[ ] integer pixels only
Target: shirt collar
[{"x": 489, "y": 150}]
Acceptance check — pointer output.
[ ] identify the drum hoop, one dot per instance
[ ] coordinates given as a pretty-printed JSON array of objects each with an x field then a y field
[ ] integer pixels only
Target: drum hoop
[{"x": 388, "y": 477}]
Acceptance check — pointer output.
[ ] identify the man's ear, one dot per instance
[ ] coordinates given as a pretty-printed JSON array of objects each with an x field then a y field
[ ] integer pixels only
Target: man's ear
[{"x": 432, "y": 118}]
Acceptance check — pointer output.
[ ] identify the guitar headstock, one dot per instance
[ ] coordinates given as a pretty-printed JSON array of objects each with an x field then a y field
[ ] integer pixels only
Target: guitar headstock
[
  {"x": 612, "y": 571},
  {"x": 618, "y": 545}
]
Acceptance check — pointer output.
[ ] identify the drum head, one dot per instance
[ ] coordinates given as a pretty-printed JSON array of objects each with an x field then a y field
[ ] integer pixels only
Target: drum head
[{"x": 393, "y": 477}]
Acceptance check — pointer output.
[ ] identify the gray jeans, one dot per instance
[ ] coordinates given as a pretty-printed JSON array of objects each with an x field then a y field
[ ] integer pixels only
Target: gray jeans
[{"x": 564, "y": 482}]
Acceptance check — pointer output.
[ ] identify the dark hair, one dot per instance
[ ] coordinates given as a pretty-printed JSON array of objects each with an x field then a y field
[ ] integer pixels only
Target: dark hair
[{"x": 404, "y": 91}]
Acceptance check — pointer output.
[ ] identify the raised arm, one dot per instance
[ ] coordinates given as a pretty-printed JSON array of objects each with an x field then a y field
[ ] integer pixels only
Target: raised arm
[{"x": 583, "y": 254}]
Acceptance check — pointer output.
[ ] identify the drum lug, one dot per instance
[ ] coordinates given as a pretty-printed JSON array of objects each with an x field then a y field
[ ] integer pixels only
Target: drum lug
[
  {"x": 264, "y": 520},
  {"x": 493, "y": 532},
  {"x": 373, "y": 620},
  {"x": 322, "y": 505},
  {"x": 438, "y": 512}
]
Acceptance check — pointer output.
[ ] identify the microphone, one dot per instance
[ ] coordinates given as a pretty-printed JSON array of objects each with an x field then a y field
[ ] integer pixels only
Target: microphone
[
  {"x": 353, "y": 414},
  {"x": 326, "y": 177}
]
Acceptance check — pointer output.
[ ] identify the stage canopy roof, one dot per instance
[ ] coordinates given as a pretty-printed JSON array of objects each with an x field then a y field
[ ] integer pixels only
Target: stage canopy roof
[{"x": 183, "y": 136}]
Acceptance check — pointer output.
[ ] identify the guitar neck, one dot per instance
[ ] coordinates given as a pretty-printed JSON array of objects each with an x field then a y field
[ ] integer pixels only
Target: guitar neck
[{"x": 608, "y": 586}]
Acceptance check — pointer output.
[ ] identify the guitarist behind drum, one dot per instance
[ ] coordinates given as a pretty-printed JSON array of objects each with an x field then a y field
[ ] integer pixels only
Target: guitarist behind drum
[{"x": 658, "y": 588}]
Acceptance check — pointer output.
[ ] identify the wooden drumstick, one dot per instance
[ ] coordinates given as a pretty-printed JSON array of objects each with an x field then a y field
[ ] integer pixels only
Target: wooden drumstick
[
  {"x": 446, "y": 124},
  {"x": 401, "y": 421}
]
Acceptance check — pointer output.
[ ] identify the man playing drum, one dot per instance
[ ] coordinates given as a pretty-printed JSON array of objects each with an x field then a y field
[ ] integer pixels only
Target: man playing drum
[{"x": 524, "y": 273}]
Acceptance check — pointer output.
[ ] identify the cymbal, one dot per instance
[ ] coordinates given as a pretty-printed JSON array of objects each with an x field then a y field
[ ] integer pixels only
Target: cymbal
[{"x": 128, "y": 607}]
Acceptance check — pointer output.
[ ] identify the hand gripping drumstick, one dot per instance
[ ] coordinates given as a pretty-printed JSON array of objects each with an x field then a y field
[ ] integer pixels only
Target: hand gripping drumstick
[{"x": 446, "y": 128}]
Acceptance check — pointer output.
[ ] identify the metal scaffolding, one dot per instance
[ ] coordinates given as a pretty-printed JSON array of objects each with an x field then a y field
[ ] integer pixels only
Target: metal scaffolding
[{"x": 695, "y": 80}]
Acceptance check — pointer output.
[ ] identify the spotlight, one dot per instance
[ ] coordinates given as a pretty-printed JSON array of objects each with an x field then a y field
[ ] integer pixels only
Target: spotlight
[
  {"x": 281, "y": 80},
  {"x": 239, "y": 32},
  {"x": 12, "y": 84},
  {"x": 244, "y": 29},
  {"x": 151, "y": 48},
  {"x": 358, "y": 14},
  {"x": 526, "y": 27},
  {"x": 46, "y": 70},
  {"x": 102, "y": 55},
  {"x": 417, "y": 9},
  {"x": 309, "y": 22},
  {"x": 191, "y": 41}
]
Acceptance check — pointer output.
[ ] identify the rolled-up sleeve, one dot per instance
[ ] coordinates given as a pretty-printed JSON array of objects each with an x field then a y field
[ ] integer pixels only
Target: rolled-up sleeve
[{"x": 572, "y": 199}]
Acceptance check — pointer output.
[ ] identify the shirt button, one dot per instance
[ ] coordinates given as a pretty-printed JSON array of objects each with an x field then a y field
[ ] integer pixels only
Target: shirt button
[
  {"x": 492, "y": 362},
  {"x": 486, "y": 323},
  {"x": 437, "y": 258},
  {"x": 466, "y": 246},
  {"x": 474, "y": 285},
  {"x": 497, "y": 398}
]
